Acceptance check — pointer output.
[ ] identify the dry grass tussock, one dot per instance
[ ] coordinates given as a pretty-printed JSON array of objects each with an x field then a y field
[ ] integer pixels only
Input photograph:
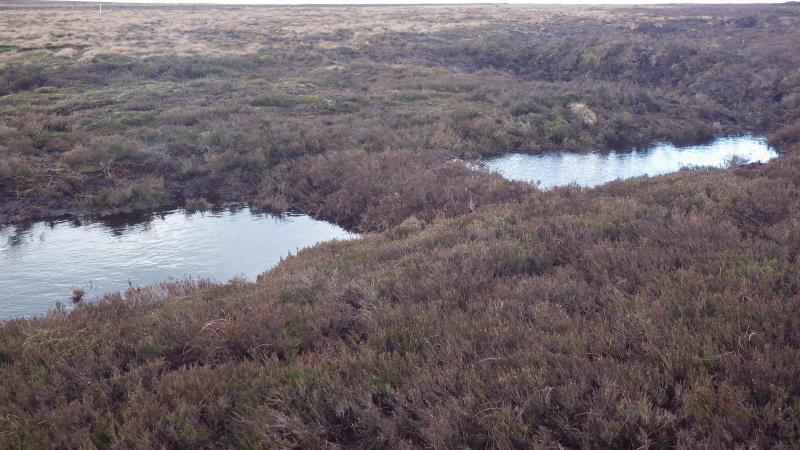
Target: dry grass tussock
[{"x": 183, "y": 30}]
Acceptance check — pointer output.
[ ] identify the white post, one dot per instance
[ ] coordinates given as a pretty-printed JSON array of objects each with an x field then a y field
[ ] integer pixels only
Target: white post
[{"x": 101, "y": 9}]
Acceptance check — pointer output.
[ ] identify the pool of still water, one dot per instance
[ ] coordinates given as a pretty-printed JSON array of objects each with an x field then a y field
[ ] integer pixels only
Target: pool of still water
[
  {"x": 592, "y": 169},
  {"x": 41, "y": 262}
]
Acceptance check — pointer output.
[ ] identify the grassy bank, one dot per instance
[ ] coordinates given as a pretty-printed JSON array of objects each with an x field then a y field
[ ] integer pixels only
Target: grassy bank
[{"x": 654, "y": 312}]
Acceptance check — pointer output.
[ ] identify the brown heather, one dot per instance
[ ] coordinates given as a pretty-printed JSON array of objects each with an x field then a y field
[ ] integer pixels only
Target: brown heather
[
  {"x": 476, "y": 312},
  {"x": 216, "y": 101},
  {"x": 655, "y": 312}
]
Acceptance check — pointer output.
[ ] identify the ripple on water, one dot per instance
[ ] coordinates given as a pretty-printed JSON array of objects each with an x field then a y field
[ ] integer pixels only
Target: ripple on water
[{"x": 41, "y": 261}]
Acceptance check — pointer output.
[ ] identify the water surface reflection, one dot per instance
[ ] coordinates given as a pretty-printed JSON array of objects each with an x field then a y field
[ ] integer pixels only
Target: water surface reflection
[
  {"x": 41, "y": 261},
  {"x": 591, "y": 169}
]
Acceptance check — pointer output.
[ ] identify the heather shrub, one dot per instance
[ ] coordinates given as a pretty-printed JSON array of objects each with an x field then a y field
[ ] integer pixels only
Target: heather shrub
[
  {"x": 22, "y": 77},
  {"x": 765, "y": 203},
  {"x": 127, "y": 195},
  {"x": 14, "y": 167},
  {"x": 183, "y": 117},
  {"x": 271, "y": 203},
  {"x": 787, "y": 137},
  {"x": 105, "y": 149},
  {"x": 379, "y": 191}
]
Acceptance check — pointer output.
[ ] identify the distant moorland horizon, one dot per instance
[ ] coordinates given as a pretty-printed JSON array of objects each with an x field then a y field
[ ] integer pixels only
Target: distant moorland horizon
[{"x": 437, "y": 2}]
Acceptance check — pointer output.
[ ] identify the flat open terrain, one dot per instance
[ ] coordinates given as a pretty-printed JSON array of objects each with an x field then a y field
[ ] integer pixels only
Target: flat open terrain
[
  {"x": 148, "y": 105},
  {"x": 477, "y": 312}
]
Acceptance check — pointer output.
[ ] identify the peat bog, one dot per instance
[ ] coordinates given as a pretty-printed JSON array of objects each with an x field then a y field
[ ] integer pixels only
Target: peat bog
[{"x": 475, "y": 311}]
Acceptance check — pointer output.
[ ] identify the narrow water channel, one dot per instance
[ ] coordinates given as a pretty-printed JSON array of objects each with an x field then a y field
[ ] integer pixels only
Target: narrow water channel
[
  {"x": 592, "y": 169},
  {"x": 41, "y": 262}
]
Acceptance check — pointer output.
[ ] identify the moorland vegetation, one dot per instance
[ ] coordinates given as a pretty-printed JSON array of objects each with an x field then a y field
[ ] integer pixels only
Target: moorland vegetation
[
  {"x": 144, "y": 106},
  {"x": 476, "y": 312}
]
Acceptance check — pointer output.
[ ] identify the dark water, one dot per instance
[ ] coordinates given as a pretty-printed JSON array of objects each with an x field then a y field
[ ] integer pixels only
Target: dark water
[
  {"x": 592, "y": 169},
  {"x": 41, "y": 262}
]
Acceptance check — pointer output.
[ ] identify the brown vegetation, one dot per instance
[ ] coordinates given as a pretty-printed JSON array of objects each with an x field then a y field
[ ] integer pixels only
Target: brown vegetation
[
  {"x": 655, "y": 312},
  {"x": 213, "y": 99}
]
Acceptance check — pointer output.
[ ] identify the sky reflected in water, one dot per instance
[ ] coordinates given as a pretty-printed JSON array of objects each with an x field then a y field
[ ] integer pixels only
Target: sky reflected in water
[
  {"x": 592, "y": 169},
  {"x": 40, "y": 262}
]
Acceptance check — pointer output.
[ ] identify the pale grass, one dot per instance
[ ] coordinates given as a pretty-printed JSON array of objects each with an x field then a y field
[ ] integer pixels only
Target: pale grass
[{"x": 78, "y": 30}]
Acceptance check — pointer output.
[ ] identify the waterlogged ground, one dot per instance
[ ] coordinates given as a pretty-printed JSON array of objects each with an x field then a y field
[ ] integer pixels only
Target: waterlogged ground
[
  {"x": 479, "y": 312},
  {"x": 592, "y": 169},
  {"x": 41, "y": 262},
  {"x": 149, "y": 105}
]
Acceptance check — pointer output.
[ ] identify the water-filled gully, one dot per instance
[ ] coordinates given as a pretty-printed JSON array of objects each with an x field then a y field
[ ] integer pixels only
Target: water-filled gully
[
  {"x": 591, "y": 169},
  {"x": 41, "y": 262}
]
